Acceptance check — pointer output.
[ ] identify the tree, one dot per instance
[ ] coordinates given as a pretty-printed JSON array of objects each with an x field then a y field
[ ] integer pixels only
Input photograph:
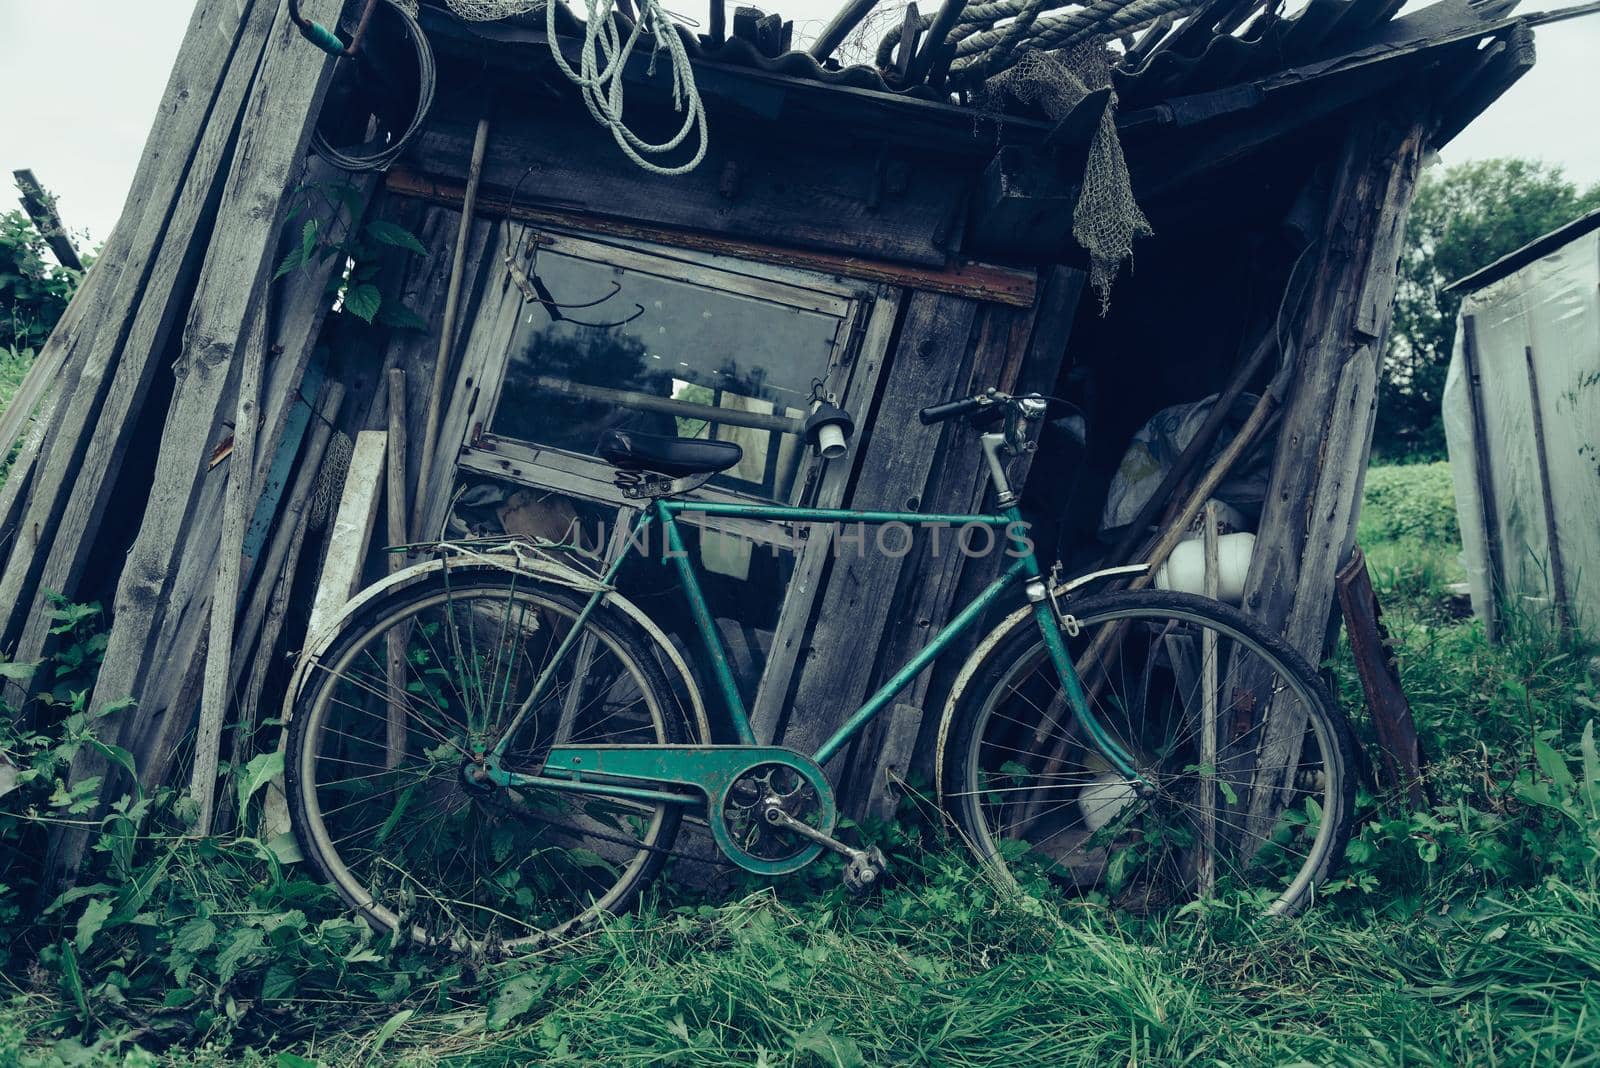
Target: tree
[
  {"x": 34, "y": 290},
  {"x": 1463, "y": 218}
]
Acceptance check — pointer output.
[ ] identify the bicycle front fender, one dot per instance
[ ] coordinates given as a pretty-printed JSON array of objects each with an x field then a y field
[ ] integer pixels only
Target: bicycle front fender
[
  {"x": 537, "y": 568},
  {"x": 1022, "y": 617}
]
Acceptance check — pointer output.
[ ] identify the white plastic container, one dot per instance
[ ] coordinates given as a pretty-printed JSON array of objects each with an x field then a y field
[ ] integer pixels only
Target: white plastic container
[{"x": 1185, "y": 568}]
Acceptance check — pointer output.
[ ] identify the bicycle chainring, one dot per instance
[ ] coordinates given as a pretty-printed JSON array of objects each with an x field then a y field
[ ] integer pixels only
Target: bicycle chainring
[{"x": 745, "y": 804}]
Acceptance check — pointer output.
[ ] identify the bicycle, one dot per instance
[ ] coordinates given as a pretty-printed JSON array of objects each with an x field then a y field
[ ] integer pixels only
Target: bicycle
[{"x": 494, "y": 747}]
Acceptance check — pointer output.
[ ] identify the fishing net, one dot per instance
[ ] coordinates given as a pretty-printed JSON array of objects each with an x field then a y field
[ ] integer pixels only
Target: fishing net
[
  {"x": 329, "y": 487},
  {"x": 1106, "y": 219},
  {"x": 492, "y": 10}
]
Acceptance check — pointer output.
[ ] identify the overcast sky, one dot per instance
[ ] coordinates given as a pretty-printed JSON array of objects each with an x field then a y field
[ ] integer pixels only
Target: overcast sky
[{"x": 83, "y": 77}]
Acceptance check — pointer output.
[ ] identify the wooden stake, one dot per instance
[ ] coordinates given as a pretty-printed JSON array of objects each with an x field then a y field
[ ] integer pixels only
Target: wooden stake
[
  {"x": 1484, "y": 473},
  {"x": 1208, "y": 717},
  {"x": 452, "y": 304},
  {"x": 238, "y": 505},
  {"x": 1558, "y": 570},
  {"x": 395, "y": 732}
]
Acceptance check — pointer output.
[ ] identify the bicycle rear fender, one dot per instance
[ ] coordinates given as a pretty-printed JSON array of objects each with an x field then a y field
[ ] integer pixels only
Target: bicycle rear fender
[
  {"x": 1022, "y": 617},
  {"x": 533, "y": 567}
]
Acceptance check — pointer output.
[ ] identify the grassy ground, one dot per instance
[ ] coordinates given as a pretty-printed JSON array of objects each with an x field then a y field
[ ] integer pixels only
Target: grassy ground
[{"x": 1468, "y": 934}]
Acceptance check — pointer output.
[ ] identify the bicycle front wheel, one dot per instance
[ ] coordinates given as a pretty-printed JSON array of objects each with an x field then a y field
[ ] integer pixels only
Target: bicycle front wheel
[
  {"x": 383, "y": 748},
  {"x": 1261, "y": 809}
]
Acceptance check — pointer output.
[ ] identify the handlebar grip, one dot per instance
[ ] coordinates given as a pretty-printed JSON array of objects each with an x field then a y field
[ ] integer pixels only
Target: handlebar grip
[{"x": 938, "y": 413}]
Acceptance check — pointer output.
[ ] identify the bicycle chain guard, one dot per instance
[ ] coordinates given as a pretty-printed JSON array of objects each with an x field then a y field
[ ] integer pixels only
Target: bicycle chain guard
[{"x": 738, "y": 782}]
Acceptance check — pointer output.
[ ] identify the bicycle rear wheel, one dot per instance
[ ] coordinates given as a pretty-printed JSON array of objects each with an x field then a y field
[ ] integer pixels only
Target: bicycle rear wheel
[
  {"x": 1265, "y": 813},
  {"x": 381, "y": 755}
]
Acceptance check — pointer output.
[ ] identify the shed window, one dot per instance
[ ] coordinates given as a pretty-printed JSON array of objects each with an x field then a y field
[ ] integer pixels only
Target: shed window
[{"x": 664, "y": 347}]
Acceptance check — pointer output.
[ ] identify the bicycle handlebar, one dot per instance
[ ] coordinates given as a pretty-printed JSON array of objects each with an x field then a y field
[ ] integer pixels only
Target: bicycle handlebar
[{"x": 938, "y": 413}]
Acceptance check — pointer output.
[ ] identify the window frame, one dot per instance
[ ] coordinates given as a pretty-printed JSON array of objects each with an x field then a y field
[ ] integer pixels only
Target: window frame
[{"x": 857, "y": 305}]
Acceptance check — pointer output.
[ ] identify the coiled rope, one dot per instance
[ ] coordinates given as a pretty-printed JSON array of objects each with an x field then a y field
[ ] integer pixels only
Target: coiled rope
[
  {"x": 599, "y": 74},
  {"x": 984, "y": 47}
]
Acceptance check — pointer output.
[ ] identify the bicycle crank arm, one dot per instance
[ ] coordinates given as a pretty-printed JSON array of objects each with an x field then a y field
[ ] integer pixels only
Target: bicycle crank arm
[{"x": 865, "y": 864}]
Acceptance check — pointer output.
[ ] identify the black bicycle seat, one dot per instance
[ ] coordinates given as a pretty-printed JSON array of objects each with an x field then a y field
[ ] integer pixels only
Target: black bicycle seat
[{"x": 673, "y": 457}]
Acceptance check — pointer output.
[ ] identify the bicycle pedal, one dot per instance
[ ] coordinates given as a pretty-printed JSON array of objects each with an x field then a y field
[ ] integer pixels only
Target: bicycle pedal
[{"x": 865, "y": 870}]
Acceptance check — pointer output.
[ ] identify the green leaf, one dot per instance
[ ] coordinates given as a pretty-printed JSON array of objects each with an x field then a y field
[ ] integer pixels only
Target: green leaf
[
  {"x": 308, "y": 238},
  {"x": 196, "y": 936},
  {"x": 240, "y": 946},
  {"x": 178, "y": 997},
  {"x": 262, "y": 769},
  {"x": 400, "y": 317},
  {"x": 387, "y": 1031},
  {"x": 1552, "y": 763},
  {"x": 19, "y": 672},
  {"x": 363, "y": 301},
  {"x": 279, "y": 983},
  {"x": 517, "y": 997},
  {"x": 837, "y": 1051},
  {"x": 294, "y": 1060},
  {"x": 94, "y": 917},
  {"x": 388, "y": 233}
]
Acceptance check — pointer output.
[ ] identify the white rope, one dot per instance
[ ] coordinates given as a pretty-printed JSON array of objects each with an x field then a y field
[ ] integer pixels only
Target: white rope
[
  {"x": 602, "y": 86},
  {"x": 604, "y": 57}
]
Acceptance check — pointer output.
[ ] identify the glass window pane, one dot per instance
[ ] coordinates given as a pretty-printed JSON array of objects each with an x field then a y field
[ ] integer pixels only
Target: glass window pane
[{"x": 739, "y": 368}]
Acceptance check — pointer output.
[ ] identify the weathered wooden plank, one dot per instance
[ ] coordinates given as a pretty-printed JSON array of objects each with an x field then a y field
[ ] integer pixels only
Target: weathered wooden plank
[
  {"x": 1307, "y": 527},
  {"x": 268, "y": 605},
  {"x": 46, "y": 219},
  {"x": 130, "y": 296},
  {"x": 1033, "y": 367},
  {"x": 939, "y": 577},
  {"x": 979, "y": 281},
  {"x": 1400, "y": 751},
  {"x": 893, "y": 473},
  {"x": 452, "y": 305},
  {"x": 76, "y": 481},
  {"x": 807, "y": 195},
  {"x": 792, "y": 634},
  {"x": 237, "y": 507},
  {"x": 398, "y": 515},
  {"x": 352, "y": 529},
  {"x": 274, "y": 128}
]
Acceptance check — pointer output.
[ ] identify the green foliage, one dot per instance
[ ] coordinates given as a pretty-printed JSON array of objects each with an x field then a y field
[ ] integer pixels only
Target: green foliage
[
  {"x": 1409, "y": 501},
  {"x": 359, "y": 246},
  {"x": 34, "y": 290},
  {"x": 1463, "y": 218},
  {"x": 1468, "y": 932}
]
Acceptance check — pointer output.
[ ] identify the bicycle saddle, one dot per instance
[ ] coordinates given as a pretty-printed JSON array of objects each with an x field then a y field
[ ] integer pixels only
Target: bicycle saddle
[{"x": 673, "y": 457}]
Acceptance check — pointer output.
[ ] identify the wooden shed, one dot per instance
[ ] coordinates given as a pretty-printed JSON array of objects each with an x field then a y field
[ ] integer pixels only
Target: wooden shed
[{"x": 887, "y": 233}]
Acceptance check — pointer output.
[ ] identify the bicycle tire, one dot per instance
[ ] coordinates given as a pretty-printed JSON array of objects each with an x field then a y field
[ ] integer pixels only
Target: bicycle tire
[
  {"x": 388, "y": 906},
  {"x": 1084, "y": 792}
]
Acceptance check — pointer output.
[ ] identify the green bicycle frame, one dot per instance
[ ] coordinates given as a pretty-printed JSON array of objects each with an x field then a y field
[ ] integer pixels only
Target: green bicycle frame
[{"x": 676, "y": 764}]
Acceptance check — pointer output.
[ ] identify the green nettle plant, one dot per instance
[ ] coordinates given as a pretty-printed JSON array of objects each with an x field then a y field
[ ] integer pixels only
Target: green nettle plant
[{"x": 357, "y": 247}]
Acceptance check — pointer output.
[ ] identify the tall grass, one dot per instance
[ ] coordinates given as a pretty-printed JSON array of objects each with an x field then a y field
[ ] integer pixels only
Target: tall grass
[{"x": 1468, "y": 933}]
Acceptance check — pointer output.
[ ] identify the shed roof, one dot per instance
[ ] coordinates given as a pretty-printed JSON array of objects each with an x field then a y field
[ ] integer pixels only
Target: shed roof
[{"x": 1538, "y": 248}]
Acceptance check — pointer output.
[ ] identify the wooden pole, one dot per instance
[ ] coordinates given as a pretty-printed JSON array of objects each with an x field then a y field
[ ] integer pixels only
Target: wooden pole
[
  {"x": 1483, "y": 471},
  {"x": 839, "y": 27},
  {"x": 395, "y": 728},
  {"x": 1208, "y": 718},
  {"x": 237, "y": 509},
  {"x": 41, "y": 208},
  {"x": 1558, "y": 570},
  {"x": 452, "y": 304}
]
